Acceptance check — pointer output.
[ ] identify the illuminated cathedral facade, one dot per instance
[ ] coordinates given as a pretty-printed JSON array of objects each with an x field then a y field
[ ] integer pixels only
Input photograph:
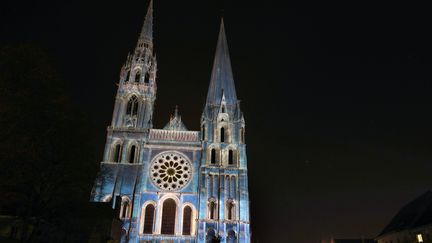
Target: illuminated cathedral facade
[{"x": 172, "y": 184}]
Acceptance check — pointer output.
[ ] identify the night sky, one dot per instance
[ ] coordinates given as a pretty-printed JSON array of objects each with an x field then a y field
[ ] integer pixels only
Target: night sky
[{"x": 337, "y": 98}]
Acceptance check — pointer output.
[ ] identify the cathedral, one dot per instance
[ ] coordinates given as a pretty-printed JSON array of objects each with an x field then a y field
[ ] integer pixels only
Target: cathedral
[{"x": 171, "y": 184}]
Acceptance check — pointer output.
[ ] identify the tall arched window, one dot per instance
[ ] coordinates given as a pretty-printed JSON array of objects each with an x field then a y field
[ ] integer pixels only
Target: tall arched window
[
  {"x": 187, "y": 220},
  {"x": 135, "y": 108},
  {"x": 132, "y": 106},
  {"x": 132, "y": 154},
  {"x": 125, "y": 208},
  {"x": 116, "y": 153},
  {"x": 149, "y": 219},
  {"x": 137, "y": 76},
  {"x": 230, "y": 157},
  {"x": 213, "y": 156},
  {"x": 230, "y": 210},
  {"x": 146, "y": 78},
  {"x": 168, "y": 217},
  {"x": 212, "y": 209},
  {"x": 222, "y": 135}
]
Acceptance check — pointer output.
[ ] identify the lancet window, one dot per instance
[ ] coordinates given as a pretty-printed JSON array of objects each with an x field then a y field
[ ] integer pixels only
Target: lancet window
[
  {"x": 230, "y": 157},
  {"x": 149, "y": 215},
  {"x": 125, "y": 208},
  {"x": 146, "y": 78},
  {"x": 213, "y": 156},
  {"x": 132, "y": 106},
  {"x": 187, "y": 220},
  {"x": 230, "y": 210},
  {"x": 116, "y": 153},
  {"x": 127, "y": 76},
  {"x": 132, "y": 154},
  {"x": 212, "y": 209},
  {"x": 137, "y": 76}
]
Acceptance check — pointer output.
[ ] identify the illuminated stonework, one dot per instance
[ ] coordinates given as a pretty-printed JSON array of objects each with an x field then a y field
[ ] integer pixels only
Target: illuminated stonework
[
  {"x": 171, "y": 184},
  {"x": 170, "y": 171}
]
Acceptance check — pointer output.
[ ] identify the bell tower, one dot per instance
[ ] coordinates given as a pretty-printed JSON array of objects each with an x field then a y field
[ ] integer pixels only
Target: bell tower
[
  {"x": 136, "y": 93},
  {"x": 224, "y": 203}
]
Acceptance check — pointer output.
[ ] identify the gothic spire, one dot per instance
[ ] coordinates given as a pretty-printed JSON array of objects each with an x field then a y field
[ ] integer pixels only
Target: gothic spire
[
  {"x": 147, "y": 29},
  {"x": 221, "y": 81}
]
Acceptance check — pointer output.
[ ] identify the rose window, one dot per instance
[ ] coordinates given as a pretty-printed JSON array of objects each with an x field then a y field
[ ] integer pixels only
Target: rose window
[{"x": 170, "y": 171}]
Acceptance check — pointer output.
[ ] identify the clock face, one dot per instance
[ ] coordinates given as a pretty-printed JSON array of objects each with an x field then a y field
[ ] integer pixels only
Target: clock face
[{"x": 170, "y": 171}]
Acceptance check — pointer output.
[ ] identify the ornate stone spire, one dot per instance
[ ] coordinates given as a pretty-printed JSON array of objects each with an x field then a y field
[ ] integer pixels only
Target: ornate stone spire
[
  {"x": 146, "y": 35},
  {"x": 138, "y": 72},
  {"x": 222, "y": 80}
]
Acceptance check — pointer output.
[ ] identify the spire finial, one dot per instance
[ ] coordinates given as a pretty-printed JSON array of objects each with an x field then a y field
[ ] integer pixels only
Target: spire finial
[{"x": 176, "y": 111}]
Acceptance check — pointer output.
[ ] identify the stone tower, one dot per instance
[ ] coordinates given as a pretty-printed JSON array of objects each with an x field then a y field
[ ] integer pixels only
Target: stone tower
[
  {"x": 172, "y": 184},
  {"x": 137, "y": 87},
  {"x": 224, "y": 204}
]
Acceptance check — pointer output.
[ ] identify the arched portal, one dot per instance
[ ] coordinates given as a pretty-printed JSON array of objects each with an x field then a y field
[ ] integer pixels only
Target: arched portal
[{"x": 168, "y": 217}]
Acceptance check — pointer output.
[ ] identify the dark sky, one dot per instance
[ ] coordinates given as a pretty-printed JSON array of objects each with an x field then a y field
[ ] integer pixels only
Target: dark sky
[{"x": 336, "y": 97}]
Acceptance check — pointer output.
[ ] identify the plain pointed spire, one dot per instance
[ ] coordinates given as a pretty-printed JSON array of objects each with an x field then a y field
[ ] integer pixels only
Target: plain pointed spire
[
  {"x": 147, "y": 29},
  {"x": 221, "y": 81}
]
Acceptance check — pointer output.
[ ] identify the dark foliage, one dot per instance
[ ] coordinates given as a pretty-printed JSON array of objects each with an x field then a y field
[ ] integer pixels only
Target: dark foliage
[{"x": 46, "y": 151}]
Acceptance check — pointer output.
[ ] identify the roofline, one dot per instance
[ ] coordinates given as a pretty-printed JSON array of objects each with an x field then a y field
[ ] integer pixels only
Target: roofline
[{"x": 409, "y": 229}]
